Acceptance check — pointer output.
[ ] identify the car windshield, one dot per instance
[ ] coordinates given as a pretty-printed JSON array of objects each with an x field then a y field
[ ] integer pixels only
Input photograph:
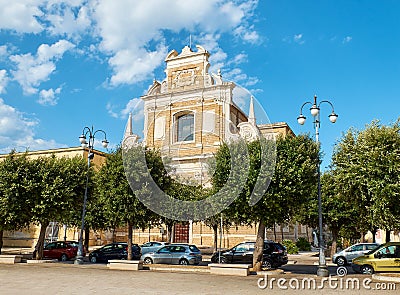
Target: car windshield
[{"x": 279, "y": 247}]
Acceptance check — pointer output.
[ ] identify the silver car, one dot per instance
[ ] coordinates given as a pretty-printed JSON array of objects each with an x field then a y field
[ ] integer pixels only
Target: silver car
[
  {"x": 152, "y": 246},
  {"x": 183, "y": 254},
  {"x": 347, "y": 255}
]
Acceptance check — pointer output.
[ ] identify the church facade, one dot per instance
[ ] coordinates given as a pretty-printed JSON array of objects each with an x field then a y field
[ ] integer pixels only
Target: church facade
[
  {"x": 191, "y": 112},
  {"x": 188, "y": 115}
]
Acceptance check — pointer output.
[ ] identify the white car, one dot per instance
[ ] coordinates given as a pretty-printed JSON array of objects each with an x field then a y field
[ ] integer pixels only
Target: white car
[{"x": 345, "y": 256}]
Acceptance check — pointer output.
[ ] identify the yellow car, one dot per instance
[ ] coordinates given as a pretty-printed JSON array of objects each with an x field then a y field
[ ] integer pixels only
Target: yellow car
[{"x": 384, "y": 258}]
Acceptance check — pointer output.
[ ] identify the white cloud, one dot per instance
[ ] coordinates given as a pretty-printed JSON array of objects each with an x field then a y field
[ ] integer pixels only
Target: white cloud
[
  {"x": 132, "y": 66},
  {"x": 125, "y": 33},
  {"x": 71, "y": 20},
  {"x": 110, "y": 110},
  {"x": 136, "y": 107},
  {"x": 123, "y": 30},
  {"x": 21, "y": 16},
  {"x": 247, "y": 34},
  {"x": 33, "y": 70},
  {"x": 17, "y": 131},
  {"x": 239, "y": 58},
  {"x": 236, "y": 75},
  {"x": 3, "y": 50},
  {"x": 49, "y": 97},
  {"x": 3, "y": 80},
  {"x": 298, "y": 39},
  {"x": 347, "y": 39}
]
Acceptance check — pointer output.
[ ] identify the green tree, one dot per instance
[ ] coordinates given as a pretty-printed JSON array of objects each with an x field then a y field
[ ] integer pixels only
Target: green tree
[
  {"x": 120, "y": 203},
  {"x": 291, "y": 181},
  {"x": 59, "y": 183},
  {"x": 335, "y": 209},
  {"x": 15, "y": 187},
  {"x": 366, "y": 167}
]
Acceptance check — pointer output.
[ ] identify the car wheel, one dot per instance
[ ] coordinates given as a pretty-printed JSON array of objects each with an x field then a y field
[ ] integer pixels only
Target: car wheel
[
  {"x": 341, "y": 261},
  {"x": 93, "y": 259},
  {"x": 183, "y": 262},
  {"x": 147, "y": 260},
  {"x": 267, "y": 264},
  {"x": 367, "y": 270},
  {"x": 64, "y": 257}
]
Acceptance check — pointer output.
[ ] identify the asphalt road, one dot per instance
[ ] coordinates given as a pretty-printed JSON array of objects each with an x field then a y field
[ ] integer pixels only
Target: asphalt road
[{"x": 67, "y": 278}]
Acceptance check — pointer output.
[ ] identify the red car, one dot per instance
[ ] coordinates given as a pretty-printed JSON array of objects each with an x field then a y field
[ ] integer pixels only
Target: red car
[{"x": 61, "y": 250}]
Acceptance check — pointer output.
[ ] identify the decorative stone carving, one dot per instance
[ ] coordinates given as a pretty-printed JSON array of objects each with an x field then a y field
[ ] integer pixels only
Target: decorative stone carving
[
  {"x": 248, "y": 131},
  {"x": 164, "y": 86},
  {"x": 208, "y": 80},
  {"x": 155, "y": 88},
  {"x": 218, "y": 78},
  {"x": 184, "y": 78}
]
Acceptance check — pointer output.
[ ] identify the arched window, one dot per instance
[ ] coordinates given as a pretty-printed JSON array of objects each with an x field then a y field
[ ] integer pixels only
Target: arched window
[{"x": 184, "y": 127}]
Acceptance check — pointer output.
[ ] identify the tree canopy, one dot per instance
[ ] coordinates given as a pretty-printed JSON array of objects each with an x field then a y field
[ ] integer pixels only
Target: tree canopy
[{"x": 365, "y": 166}]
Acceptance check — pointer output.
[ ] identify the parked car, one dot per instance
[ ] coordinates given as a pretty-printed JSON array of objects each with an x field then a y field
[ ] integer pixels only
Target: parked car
[
  {"x": 346, "y": 256},
  {"x": 114, "y": 251},
  {"x": 274, "y": 254},
  {"x": 152, "y": 246},
  {"x": 61, "y": 250},
  {"x": 386, "y": 257},
  {"x": 183, "y": 254}
]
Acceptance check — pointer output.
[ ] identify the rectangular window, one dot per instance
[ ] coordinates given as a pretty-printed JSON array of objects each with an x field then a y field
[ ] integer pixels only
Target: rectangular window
[{"x": 185, "y": 128}]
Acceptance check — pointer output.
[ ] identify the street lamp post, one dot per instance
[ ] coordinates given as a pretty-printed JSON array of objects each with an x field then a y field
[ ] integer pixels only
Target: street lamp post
[
  {"x": 315, "y": 112},
  {"x": 87, "y": 144}
]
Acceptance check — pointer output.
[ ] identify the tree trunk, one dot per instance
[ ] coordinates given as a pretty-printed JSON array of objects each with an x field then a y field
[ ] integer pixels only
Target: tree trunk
[
  {"x": 387, "y": 236},
  {"x": 87, "y": 235},
  {"x": 1, "y": 239},
  {"x": 215, "y": 231},
  {"x": 374, "y": 235},
  {"x": 40, "y": 243},
  {"x": 113, "y": 235},
  {"x": 307, "y": 234},
  {"x": 274, "y": 232},
  {"x": 335, "y": 235},
  {"x": 282, "y": 232},
  {"x": 170, "y": 227},
  {"x": 259, "y": 247},
  {"x": 130, "y": 241},
  {"x": 362, "y": 238}
]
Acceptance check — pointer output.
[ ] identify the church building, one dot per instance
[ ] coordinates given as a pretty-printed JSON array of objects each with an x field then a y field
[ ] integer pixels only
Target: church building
[
  {"x": 191, "y": 112},
  {"x": 188, "y": 115}
]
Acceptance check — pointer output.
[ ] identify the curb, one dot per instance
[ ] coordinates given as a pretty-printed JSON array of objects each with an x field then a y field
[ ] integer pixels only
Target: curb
[
  {"x": 34, "y": 261},
  {"x": 176, "y": 269},
  {"x": 386, "y": 278}
]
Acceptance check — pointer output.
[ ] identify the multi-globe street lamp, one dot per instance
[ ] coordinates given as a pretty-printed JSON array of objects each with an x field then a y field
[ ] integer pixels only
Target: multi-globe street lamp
[
  {"x": 315, "y": 112},
  {"x": 89, "y": 144}
]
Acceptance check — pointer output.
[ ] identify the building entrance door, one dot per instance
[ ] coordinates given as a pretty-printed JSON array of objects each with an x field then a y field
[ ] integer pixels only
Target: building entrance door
[{"x": 181, "y": 233}]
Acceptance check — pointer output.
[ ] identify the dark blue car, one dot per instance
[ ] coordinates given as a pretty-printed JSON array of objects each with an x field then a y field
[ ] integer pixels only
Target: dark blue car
[{"x": 114, "y": 251}]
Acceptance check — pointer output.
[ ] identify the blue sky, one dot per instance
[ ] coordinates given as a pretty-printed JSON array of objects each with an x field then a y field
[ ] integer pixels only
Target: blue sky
[{"x": 69, "y": 64}]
